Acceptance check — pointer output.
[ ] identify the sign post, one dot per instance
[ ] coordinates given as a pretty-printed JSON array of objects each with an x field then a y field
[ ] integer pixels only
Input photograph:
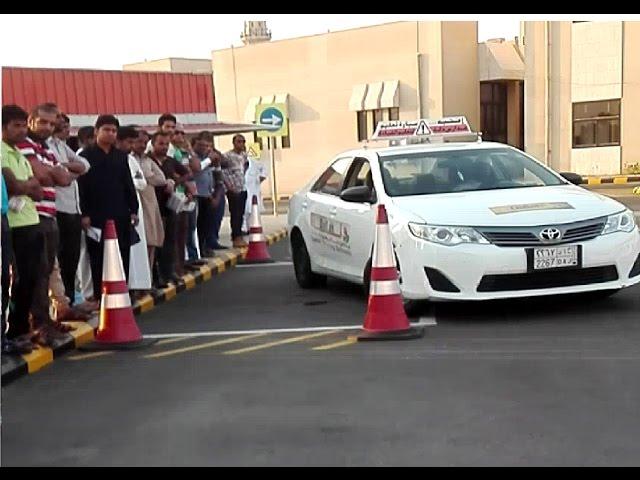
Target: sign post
[{"x": 274, "y": 114}]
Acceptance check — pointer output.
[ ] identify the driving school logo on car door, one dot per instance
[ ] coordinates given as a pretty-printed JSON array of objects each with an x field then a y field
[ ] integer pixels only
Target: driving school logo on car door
[{"x": 332, "y": 233}]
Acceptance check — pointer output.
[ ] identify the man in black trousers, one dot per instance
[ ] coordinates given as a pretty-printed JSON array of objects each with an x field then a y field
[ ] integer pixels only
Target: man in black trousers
[{"x": 107, "y": 193}]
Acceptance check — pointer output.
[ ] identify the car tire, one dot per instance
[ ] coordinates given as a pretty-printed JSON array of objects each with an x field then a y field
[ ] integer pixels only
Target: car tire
[
  {"x": 602, "y": 294},
  {"x": 305, "y": 277}
]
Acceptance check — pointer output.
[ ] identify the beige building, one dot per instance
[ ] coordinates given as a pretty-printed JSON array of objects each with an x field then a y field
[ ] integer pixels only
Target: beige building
[
  {"x": 338, "y": 85},
  {"x": 173, "y": 65},
  {"x": 582, "y": 95}
]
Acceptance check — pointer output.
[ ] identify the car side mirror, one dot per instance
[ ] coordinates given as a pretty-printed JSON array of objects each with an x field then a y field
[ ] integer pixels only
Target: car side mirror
[
  {"x": 573, "y": 178},
  {"x": 362, "y": 194}
]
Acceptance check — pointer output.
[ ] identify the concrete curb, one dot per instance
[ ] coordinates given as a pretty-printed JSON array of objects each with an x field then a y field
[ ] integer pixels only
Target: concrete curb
[
  {"x": 14, "y": 367},
  {"x": 617, "y": 180}
]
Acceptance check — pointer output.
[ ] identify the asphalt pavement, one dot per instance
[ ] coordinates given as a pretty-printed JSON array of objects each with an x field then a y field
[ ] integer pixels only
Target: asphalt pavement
[{"x": 537, "y": 382}]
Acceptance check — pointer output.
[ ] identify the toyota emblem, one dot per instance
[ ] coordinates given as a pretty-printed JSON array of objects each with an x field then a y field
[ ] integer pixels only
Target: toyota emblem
[{"x": 550, "y": 235}]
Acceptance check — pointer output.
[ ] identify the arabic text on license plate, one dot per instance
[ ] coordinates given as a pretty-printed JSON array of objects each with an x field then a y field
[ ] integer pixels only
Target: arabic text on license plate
[{"x": 555, "y": 257}]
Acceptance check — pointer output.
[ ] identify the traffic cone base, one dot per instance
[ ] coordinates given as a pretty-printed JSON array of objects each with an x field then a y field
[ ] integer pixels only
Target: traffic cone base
[
  {"x": 257, "y": 251},
  {"x": 106, "y": 347},
  {"x": 411, "y": 333},
  {"x": 117, "y": 328}
]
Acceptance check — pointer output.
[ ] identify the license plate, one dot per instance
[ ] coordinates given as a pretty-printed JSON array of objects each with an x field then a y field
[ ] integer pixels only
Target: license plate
[{"x": 548, "y": 258}]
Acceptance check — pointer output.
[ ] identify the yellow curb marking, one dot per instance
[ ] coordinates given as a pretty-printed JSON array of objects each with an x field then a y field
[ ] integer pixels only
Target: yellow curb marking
[{"x": 38, "y": 359}]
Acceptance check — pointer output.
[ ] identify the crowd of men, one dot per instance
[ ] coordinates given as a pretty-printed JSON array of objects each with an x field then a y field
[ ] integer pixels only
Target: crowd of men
[{"x": 166, "y": 194}]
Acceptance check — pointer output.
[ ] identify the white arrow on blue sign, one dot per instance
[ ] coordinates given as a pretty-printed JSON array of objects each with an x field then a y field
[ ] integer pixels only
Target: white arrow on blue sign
[{"x": 272, "y": 116}]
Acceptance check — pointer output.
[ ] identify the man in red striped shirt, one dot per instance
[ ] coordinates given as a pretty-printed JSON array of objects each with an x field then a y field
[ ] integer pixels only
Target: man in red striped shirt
[{"x": 50, "y": 173}]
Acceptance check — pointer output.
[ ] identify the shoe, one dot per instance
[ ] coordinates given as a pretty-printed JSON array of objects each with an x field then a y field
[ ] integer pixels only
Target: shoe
[
  {"x": 75, "y": 314},
  {"x": 88, "y": 306},
  {"x": 239, "y": 243},
  {"x": 197, "y": 263},
  {"x": 13, "y": 347},
  {"x": 177, "y": 280},
  {"x": 217, "y": 246},
  {"x": 47, "y": 335}
]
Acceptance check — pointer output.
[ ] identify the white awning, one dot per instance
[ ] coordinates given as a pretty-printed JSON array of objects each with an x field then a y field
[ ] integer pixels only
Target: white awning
[
  {"x": 250, "y": 111},
  {"x": 268, "y": 99},
  {"x": 282, "y": 98},
  {"x": 374, "y": 93},
  {"x": 500, "y": 60},
  {"x": 390, "y": 94},
  {"x": 358, "y": 94}
]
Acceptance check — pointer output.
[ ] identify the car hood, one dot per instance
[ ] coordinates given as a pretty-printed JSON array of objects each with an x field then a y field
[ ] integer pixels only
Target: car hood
[{"x": 513, "y": 207}]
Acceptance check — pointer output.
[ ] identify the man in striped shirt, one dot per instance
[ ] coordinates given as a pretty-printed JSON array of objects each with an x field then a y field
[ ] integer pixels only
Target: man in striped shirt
[{"x": 51, "y": 174}]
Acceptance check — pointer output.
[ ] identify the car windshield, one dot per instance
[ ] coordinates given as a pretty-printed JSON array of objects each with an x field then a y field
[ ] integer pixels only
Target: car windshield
[{"x": 433, "y": 172}]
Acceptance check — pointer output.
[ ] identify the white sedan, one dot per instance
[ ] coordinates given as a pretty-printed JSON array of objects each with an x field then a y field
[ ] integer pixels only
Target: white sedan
[{"x": 469, "y": 221}]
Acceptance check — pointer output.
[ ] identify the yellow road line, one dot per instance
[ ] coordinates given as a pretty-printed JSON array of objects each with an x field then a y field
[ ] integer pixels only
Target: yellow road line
[
  {"x": 279, "y": 342},
  {"x": 172, "y": 340},
  {"x": 87, "y": 356},
  {"x": 331, "y": 346},
  {"x": 203, "y": 346}
]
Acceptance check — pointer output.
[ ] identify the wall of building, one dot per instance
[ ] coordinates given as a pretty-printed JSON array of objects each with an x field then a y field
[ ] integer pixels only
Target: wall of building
[
  {"x": 319, "y": 73},
  {"x": 535, "y": 87},
  {"x": 461, "y": 86},
  {"x": 631, "y": 95},
  {"x": 175, "y": 65}
]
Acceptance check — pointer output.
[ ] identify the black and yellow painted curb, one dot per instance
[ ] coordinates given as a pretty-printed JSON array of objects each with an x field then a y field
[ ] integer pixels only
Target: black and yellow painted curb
[
  {"x": 616, "y": 180},
  {"x": 17, "y": 366}
]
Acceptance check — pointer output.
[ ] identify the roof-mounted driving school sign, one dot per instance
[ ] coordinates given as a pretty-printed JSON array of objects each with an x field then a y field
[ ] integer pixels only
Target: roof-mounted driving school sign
[{"x": 421, "y": 128}]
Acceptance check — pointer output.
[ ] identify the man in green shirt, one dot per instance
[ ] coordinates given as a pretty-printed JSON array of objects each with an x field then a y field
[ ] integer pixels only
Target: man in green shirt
[{"x": 26, "y": 236}]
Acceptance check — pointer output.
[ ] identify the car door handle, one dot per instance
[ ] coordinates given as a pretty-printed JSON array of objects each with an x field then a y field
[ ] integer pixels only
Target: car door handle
[
  {"x": 304, "y": 205},
  {"x": 333, "y": 212}
]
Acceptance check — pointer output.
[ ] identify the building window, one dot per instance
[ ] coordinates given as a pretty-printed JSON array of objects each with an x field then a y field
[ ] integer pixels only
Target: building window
[
  {"x": 368, "y": 120},
  {"x": 362, "y": 126},
  {"x": 596, "y": 124},
  {"x": 378, "y": 116}
]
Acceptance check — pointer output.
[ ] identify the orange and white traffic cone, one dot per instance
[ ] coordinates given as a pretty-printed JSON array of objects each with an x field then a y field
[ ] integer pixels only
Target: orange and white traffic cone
[
  {"x": 258, "y": 251},
  {"x": 386, "y": 318},
  {"x": 117, "y": 328}
]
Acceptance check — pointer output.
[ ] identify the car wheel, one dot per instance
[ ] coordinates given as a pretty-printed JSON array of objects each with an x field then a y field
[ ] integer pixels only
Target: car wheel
[
  {"x": 602, "y": 294},
  {"x": 305, "y": 277}
]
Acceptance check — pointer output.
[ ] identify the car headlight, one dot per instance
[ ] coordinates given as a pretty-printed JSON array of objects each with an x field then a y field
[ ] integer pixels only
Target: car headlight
[
  {"x": 622, "y": 222},
  {"x": 446, "y": 235}
]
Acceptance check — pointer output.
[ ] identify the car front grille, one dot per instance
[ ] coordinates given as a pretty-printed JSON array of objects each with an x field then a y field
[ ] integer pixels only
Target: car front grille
[
  {"x": 548, "y": 279},
  {"x": 529, "y": 236}
]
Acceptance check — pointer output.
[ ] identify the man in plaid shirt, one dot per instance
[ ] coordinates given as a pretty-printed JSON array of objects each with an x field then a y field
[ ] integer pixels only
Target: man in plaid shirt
[{"x": 233, "y": 168}]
